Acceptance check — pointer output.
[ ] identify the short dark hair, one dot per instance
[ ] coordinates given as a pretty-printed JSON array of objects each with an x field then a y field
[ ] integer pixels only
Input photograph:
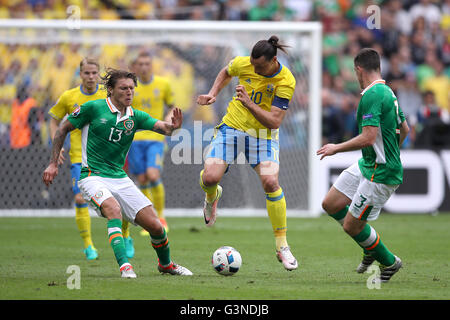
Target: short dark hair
[
  {"x": 267, "y": 48},
  {"x": 113, "y": 75},
  {"x": 368, "y": 59}
]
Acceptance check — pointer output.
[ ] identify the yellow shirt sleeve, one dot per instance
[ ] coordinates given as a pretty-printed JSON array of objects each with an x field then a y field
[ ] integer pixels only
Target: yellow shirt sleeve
[
  {"x": 286, "y": 89},
  {"x": 234, "y": 68},
  {"x": 59, "y": 110}
]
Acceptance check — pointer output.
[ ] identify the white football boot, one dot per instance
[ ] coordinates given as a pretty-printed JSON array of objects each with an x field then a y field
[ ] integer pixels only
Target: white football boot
[
  {"x": 127, "y": 271},
  {"x": 286, "y": 257},
  {"x": 174, "y": 269},
  {"x": 210, "y": 208}
]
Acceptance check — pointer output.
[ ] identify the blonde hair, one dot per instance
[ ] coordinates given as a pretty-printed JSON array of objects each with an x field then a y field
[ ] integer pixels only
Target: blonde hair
[{"x": 88, "y": 60}]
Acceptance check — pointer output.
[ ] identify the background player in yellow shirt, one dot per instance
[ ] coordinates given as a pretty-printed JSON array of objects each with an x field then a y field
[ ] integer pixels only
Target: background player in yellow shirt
[
  {"x": 146, "y": 155},
  {"x": 251, "y": 126},
  {"x": 69, "y": 101}
]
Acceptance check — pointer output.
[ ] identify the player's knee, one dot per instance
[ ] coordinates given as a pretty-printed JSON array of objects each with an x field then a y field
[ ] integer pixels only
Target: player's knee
[
  {"x": 111, "y": 209},
  {"x": 142, "y": 179},
  {"x": 270, "y": 184},
  {"x": 210, "y": 178},
  {"x": 327, "y": 206},
  {"x": 152, "y": 174},
  {"x": 79, "y": 199}
]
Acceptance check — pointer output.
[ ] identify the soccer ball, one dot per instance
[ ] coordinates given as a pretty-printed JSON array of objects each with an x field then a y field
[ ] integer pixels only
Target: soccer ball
[{"x": 226, "y": 261}]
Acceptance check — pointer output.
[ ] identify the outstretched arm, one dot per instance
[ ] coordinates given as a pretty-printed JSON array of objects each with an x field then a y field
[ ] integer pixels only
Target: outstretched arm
[
  {"x": 222, "y": 79},
  {"x": 168, "y": 127},
  {"x": 367, "y": 138},
  {"x": 54, "y": 124},
  {"x": 58, "y": 141}
]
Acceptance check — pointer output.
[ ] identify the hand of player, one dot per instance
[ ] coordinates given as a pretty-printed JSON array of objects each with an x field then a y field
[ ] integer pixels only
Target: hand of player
[
  {"x": 327, "y": 150},
  {"x": 177, "y": 118},
  {"x": 61, "y": 158},
  {"x": 50, "y": 173},
  {"x": 242, "y": 95},
  {"x": 205, "y": 99}
]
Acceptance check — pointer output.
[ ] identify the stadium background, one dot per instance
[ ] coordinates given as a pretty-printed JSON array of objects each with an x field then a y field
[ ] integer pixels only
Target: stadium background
[{"x": 414, "y": 41}]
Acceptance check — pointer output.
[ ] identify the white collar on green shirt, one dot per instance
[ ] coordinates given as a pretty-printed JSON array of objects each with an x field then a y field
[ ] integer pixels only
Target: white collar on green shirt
[
  {"x": 113, "y": 109},
  {"x": 372, "y": 84}
]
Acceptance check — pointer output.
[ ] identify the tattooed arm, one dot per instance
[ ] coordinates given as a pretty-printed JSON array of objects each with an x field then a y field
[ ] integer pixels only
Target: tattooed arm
[
  {"x": 167, "y": 127},
  {"x": 58, "y": 141}
]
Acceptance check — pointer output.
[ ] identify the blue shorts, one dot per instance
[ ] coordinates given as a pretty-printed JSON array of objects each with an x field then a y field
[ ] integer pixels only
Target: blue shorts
[
  {"x": 228, "y": 143},
  {"x": 145, "y": 154},
  {"x": 75, "y": 170}
]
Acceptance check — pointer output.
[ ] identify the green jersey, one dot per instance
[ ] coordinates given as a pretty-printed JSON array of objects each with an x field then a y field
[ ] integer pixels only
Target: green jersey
[
  {"x": 379, "y": 107},
  {"x": 106, "y": 136}
]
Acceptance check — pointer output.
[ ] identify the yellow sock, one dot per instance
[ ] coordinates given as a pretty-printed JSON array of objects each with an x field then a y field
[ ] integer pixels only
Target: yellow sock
[
  {"x": 159, "y": 197},
  {"x": 276, "y": 208},
  {"x": 83, "y": 221},
  {"x": 125, "y": 228},
  {"x": 211, "y": 191}
]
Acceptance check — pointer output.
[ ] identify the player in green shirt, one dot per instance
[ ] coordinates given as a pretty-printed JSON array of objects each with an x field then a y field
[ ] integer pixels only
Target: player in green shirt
[
  {"x": 107, "y": 130},
  {"x": 361, "y": 190}
]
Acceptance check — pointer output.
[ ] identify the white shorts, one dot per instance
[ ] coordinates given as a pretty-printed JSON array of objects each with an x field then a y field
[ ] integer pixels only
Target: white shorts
[
  {"x": 368, "y": 198},
  {"x": 97, "y": 189}
]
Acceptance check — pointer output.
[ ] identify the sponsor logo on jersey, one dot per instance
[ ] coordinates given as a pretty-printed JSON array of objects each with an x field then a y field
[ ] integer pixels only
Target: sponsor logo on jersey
[{"x": 367, "y": 116}]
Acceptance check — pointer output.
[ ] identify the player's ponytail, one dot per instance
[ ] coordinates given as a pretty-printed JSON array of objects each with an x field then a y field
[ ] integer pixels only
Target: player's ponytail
[{"x": 267, "y": 48}]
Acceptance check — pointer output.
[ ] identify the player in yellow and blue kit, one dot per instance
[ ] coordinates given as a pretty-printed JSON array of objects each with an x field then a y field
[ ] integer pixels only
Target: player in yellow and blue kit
[
  {"x": 251, "y": 126},
  {"x": 68, "y": 102},
  {"x": 145, "y": 158}
]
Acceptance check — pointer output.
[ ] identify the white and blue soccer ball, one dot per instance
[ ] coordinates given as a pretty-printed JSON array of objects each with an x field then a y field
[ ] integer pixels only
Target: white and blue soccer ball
[{"x": 226, "y": 261}]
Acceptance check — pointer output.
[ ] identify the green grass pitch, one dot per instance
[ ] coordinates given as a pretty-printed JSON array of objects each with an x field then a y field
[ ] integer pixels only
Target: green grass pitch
[{"x": 36, "y": 252}]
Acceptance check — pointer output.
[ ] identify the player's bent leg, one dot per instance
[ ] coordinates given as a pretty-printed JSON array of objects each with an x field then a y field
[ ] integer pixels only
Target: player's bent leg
[
  {"x": 144, "y": 186},
  {"x": 336, "y": 205},
  {"x": 158, "y": 193},
  {"x": 276, "y": 209},
  {"x": 210, "y": 177},
  {"x": 370, "y": 241},
  {"x": 148, "y": 220},
  {"x": 83, "y": 221},
  {"x": 111, "y": 210}
]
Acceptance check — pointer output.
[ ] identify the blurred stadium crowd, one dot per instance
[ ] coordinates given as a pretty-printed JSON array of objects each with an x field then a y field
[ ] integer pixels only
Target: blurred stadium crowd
[{"x": 414, "y": 40}]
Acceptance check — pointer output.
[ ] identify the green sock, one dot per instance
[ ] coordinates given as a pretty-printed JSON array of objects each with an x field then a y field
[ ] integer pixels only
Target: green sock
[
  {"x": 340, "y": 215},
  {"x": 161, "y": 245},
  {"x": 116, "y": 240},
  {"x": 370, "y": 241}
]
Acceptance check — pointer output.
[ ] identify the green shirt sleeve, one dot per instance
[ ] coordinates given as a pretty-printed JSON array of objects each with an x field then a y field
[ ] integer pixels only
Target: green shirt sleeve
[
  {"x": 144, "y": 120},
  {"x": 81, "y": 115},
  {"x": 371, "y": 109}
]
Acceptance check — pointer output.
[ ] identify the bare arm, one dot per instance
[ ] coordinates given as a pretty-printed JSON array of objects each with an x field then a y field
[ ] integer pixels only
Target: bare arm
[
  {"x": 222, "y": 79},
  {"x": 404, "y": 130},
  {"x": 54, "y": 124},
  {"x": 168, "y": 127},
  {"x": 58, "y": 141},
  {"x": 270, "y": 119},
  {"x": 367, "y": 138}
]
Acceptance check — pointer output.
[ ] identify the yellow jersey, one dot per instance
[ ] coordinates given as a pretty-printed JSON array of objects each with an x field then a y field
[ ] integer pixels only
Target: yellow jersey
[
  {"x": 66, "y": 104},
  {"x": 263, "y": 91},
  {"x": 151, "y": 98}
]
